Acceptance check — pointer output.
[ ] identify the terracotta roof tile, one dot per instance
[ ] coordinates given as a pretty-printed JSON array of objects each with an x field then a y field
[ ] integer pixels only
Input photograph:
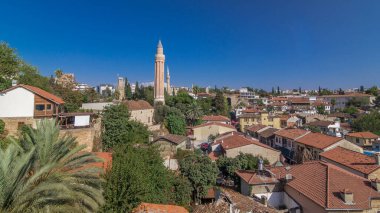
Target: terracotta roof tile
[
  {"x": 351, "y": 159},
  {"x": 158, "y": 208},
  {"x": 322, "y": 182},
  {"x": 252, "y": 177},
  {"x": 177, "y": 139},
  {"x": 369, "y": 135},
  {"x": 236, "y": 140},
  {"x": 215, "y": 118},
  {"x": 291, "y": 133},
  {"x": 137, "y": 105},
  {"x": 255, "y": 128},
  {"x": 318, "y": 140},
  {"x": 268, "y": 132}
]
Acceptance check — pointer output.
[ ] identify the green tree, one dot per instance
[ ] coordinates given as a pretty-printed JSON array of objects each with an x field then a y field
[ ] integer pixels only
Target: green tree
[
  {"x": 321, "y": 110},
  {"x": 368, "y": 122},
  {"x": 201, "y": 172},
  {"x": 175, "y": 124},
  {"x": 138, "y": 175},
  {"x": 206, "y": 105},
  {"x": 128, "y": 90},
  {"x": 118, "y": 129},
  {"x": 373, "y": 91},
  {"x": 243, "y": 161},
  {"x": 193, "y": 113},
  {"x": 220, "y": 104},
  {"x": 2, "y": 127},
  {"x": 48, "y": 174},
  {"x": 350, "y": 110},
  {"x": 9, "y": 63}
]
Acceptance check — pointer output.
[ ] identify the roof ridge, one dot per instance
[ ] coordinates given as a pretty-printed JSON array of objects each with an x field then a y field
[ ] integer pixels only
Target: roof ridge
[{"x": 327, "y": 186}]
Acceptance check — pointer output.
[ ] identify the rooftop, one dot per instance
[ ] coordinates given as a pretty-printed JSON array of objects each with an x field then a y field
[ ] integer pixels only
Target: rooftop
[
  {"x": 236, "y": 140},
  {"x": 291, "y": 133},
  {"x": 37, "y": 91},
  {"x": 255, "y": 128},
  {"x": 177, "y": 139},
  {"x": 215, "y": 118},
  {"x": 369, "y": 135},
  {"x": 266, "y": 133},
  {"x": 318, "y": 140},
  {"x": 137, "y": 105},
  {"x": 351, "y": 159},
  {"x": 322, "y": 183}
]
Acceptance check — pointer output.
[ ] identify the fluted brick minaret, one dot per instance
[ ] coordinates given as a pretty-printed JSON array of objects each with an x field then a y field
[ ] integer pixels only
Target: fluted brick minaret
[{"x": 159, "y": 87}]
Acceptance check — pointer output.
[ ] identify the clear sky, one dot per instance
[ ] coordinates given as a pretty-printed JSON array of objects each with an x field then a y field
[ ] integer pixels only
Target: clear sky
[{"x": 290, "y": 43}]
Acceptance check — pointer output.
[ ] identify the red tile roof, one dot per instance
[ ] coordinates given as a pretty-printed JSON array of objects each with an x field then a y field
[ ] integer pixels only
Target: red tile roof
[
  {"x": 322, "y": 183},
  {"x": 214, "y": 123},
  {"x": 253, "y": 178},
  {"x": 318, "y": 140},
  {"x": 137, "y": 105},
  {"x": 369, "y": 135},
  {"x": 215, "y": 118},
  {"x": 291, "y": 133},
  {"x": 255, "y": 128},
  {"x": 39, "y": 92},
  {"x": 177, "y": 139},
  {"x": 236, "y": 140},
  {"x": 351, "y": 159},
  {"x": 158, "y": 208},
  {"x": 320, "y": 123}
]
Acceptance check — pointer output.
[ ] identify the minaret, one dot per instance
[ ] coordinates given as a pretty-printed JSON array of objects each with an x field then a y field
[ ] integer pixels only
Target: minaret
[
  {"x": 121, "y": 87},
  {"x": 168, "y": 88},
  {"x": 159, "y": 71}
]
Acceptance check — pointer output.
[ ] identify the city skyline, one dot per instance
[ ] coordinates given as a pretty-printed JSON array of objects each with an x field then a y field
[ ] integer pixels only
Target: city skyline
[{"x": 258, "y": 44}]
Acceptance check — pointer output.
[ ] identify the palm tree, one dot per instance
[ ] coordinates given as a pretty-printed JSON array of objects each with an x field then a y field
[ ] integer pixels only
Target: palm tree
[
  {"x": 46, "y": 173},
  {"x": 193, "y": 113}
]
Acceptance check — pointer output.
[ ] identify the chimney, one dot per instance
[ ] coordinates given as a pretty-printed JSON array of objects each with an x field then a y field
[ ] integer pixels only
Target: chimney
[
  {"x": 376, "y": 184},
  {"x": 222, "y": 141},
  {"x": 377, "y": 158},
  {"x": 264, "y": 200},
  {"x": 14, "y": 83},
  {"x": 347, "y": 196},
  {"x": 288, "y": 177}
]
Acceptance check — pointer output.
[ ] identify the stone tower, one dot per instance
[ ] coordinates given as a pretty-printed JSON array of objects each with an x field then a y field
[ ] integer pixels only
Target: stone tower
[
  {"x": 159, "y": 64},
  {"x": 168, "y": 88},
  {"x": 121, "y": 87}
]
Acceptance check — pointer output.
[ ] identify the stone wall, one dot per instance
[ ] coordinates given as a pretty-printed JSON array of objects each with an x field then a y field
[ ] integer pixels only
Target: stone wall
[
  {"x": 12, "y": 124},
  {"x": 84, "y": 136}
]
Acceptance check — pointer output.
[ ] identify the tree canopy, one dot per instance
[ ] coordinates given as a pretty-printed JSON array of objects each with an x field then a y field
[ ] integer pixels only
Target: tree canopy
[
  {"x": 138, "y": 175},
  {"x": 118, "y": 129},
  {"x": 368, "y": 122}
]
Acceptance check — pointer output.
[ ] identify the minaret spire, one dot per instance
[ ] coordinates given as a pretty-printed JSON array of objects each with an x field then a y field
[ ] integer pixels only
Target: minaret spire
[{"x": 159, "y": 71}]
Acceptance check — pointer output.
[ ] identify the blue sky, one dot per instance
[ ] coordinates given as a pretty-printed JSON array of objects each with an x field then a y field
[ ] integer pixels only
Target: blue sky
[{"x": 235, "y": 43}]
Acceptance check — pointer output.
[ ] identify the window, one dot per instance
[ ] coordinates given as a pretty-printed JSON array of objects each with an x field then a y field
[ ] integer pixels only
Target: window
[
  {"x": 357, "y": 140},
  {"x": 20, "y": 125},
  {"x": 40, "y": 107},
  {"x": 148, "y": 119},
  {"x": 48, "y": 106}
]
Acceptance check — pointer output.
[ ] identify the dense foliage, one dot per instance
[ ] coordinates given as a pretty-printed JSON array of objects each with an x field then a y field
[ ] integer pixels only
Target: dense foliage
[
  {"x": 201, "y": 172},
  {"x": 175, "y": 124},
  {"x": 138, "y": 175},
  {"x": 2, "y": 127},
  {"x": 45, "y": 173},
  {"x": 368, "y": 122},
  {"x": 243, "y": 161},
  {"x": 118, "y": 129}
]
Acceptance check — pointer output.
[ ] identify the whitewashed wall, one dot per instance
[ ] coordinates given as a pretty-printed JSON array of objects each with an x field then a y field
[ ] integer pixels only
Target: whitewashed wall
[
  {"x": 82, "y": 120},
  {"x": 18, "y": 102}
]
